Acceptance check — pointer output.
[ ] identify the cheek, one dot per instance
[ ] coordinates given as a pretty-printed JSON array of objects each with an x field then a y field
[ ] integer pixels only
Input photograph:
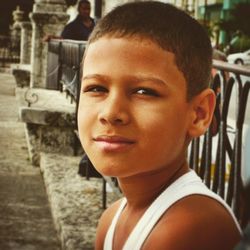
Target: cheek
[
  {"x": 81, "y": 127},
  {"x": 85, "y": 119},
  {"x": 165, "y": 132}
]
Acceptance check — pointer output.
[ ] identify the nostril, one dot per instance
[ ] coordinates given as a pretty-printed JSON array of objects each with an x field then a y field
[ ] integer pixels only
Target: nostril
[
  {"x": 114, "y": 118},
  {"x": 118, "y": 120}
]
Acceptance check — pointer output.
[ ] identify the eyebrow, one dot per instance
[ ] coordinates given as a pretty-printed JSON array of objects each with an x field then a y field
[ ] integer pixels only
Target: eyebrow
[
  {"x": 141, "y": 78},
  {"x": 97, "y": 76},
  {"x": 136, "y": 79}
]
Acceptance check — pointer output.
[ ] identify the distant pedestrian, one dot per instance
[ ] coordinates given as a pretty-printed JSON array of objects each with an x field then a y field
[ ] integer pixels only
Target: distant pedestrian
[{"x": 81, "y": 27}]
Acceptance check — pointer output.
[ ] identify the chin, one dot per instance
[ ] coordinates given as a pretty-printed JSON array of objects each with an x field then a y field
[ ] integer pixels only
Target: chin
[
  {"x": 110, "y": 170},
  {"x": 105, "y": 170}
]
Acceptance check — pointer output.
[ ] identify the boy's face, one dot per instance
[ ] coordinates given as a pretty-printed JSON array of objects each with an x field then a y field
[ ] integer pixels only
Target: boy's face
[{"x": 133, "y": 115}]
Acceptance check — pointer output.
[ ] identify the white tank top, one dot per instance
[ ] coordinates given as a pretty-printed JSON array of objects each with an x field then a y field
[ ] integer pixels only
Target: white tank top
[{"x": 187, "y": 184}]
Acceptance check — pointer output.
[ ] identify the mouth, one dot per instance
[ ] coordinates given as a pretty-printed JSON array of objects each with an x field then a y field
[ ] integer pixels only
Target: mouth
[{"x": 113, "y": 143}]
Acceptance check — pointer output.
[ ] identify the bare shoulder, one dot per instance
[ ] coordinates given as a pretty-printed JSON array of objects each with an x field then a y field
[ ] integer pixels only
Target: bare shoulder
[
  {"x": 104, "y": 223},
  {"x": 195, "y": 222}
]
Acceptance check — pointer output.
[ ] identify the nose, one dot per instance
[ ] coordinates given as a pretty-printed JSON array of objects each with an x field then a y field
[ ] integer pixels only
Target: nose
[{"x": 114, "y": 110}]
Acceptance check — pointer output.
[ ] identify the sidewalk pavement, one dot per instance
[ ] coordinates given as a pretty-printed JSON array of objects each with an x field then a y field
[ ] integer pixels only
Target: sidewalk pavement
[{"x": 26, "y": 222}]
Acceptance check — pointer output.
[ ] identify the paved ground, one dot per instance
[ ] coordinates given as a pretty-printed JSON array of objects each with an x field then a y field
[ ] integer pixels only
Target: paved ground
[{"x": 25, "y": 217}]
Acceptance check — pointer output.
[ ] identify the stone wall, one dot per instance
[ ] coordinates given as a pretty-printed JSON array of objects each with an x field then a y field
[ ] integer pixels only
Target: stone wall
[
  {"x": 76, "y": 203},
  {"x": 50, "y": 122}
]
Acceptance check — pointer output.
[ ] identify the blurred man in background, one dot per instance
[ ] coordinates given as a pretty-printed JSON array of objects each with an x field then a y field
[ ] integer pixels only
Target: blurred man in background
[{"x": 81, "y": 27}]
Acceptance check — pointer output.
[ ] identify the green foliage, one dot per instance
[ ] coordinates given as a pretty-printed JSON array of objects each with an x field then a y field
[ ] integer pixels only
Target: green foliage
[
  {"x": 237, "y": 28},
  {"x": 241, "y": 15},
  {"x": 239, "y": 21}
]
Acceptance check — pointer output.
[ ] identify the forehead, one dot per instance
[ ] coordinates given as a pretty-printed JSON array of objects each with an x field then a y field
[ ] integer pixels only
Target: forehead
[
  {"x": 120, "y": 58},
  {"x": 126, "y": 48},
  {"x": 85, "y": 6}
]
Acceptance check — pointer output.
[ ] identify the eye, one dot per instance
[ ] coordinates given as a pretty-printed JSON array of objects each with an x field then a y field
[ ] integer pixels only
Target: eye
[
  {"x": 94, "y": 89},
  {"x": 146, "y": 91}
]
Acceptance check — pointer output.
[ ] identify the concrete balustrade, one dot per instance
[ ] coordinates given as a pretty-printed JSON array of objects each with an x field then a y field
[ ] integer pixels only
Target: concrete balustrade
[
  {"x": 48, "y": 17},
  {"x": 26, "y": 34}
]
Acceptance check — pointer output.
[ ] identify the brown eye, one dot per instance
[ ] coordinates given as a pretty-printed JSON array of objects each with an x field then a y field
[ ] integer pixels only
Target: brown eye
[
  {"x": 95, "y": 89},
  {"x": 146, "y": 91}
]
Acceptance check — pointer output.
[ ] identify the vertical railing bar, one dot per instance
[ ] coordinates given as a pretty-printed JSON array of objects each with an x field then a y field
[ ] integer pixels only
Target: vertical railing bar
[
  {"x": 104, "y": 194},
  {"x": 59, "y": 76},
  {"x": 207, "y": 173},
  {"x": 221, "y": 153},
  {"x": 231, "y": 152},
  {"x": 196, "y": 154},
  {"x": 229, "y": 196},
  {"x": 203, "y": 157},
  {"x": 238, "y": 150},
  {"x": 226, "y": 95},
  {"x": 191, "y": 155},
  {"x": 217, "y": 117},
  {"x": 216, "y": 168}
]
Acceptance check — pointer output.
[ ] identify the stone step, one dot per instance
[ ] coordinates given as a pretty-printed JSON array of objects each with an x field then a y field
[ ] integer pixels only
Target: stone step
[{"x": 76, "y": 203}]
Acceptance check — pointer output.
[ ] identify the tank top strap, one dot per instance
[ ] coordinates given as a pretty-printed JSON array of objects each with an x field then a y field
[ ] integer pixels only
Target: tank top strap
[{"x": 108, "y": 243}]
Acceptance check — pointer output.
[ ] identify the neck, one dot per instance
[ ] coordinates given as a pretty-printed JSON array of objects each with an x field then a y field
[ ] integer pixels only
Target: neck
[
  {"x": 141, "y": 190},
  {"x": 85, "y": 18}
]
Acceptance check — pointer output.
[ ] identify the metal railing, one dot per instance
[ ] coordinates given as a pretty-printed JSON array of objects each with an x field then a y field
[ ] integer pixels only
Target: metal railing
[
  {"x": 223, "y": 140},
  {"x": 64, "y": 67},
  {"x": 64, "y": 60},
  {"x": 9, "y": 51},
  {"x": 223, "y": 174}
]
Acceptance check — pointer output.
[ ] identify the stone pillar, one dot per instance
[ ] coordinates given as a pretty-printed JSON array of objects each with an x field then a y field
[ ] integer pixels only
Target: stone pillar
[
  {"x": 48, "y": 17},
  {"x": 22, "y": 75},
  {"x": 16, "y": 31},
  {"x": 26, "y": 33},
  {"x": 17, "y": 19},
  {"x": 50, "y": 6}
]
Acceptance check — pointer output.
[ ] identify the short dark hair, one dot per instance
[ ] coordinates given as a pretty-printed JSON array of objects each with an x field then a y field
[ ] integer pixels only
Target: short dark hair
[
  {"x": 169, "y": 27},
  {"x": 82, "y": 2}
]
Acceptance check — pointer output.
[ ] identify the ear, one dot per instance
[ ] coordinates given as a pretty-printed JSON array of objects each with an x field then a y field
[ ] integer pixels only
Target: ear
[{"x": 202, "y": 110}]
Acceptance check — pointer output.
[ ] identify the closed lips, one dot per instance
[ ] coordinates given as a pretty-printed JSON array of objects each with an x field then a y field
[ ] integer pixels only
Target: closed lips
[{"x": 113, "y": 139}]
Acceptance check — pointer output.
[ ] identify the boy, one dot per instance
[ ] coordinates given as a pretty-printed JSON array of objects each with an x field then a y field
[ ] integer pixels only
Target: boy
[{"x": 144, "y": 97}]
